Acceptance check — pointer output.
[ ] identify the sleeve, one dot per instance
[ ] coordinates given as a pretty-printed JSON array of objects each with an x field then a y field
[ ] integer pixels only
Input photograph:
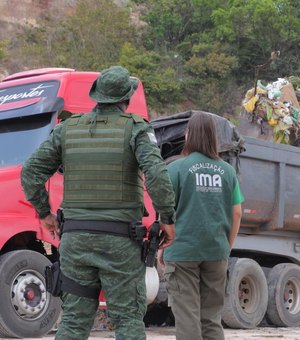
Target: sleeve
[
  {"x": 40, "y": 166},
  {"x": 237, "y": 197},
  {"x": 173, "y": 173},
  {"x": 157, "y": 180}
]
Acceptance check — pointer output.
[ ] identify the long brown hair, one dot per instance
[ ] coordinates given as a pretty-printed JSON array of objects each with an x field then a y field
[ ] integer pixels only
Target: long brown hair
[{"x": 201, "y": 136}]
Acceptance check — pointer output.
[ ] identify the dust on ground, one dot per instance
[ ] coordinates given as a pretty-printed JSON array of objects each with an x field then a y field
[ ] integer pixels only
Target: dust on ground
[{"x": 260, "y": 333}]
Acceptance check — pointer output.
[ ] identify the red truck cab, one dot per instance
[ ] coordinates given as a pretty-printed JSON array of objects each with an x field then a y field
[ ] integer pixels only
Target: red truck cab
[{"x": 31, "y": 104}]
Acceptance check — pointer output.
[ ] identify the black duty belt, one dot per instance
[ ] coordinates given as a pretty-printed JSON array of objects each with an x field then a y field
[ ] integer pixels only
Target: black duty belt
[{"x": 107, "y": 227}]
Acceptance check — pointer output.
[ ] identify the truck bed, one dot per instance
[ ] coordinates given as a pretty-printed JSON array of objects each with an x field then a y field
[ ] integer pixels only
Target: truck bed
[{"x": 270, "y": 181}]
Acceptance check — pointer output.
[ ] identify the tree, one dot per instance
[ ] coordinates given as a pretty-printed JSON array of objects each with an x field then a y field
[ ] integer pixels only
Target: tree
[
  {"x": 219, "y": 42},
  {"x": 172, "y": 22},
  {"x": 209, "y": 72},
  {"x": 161, "y": 85},
  {"x": 256, "y": 28}
]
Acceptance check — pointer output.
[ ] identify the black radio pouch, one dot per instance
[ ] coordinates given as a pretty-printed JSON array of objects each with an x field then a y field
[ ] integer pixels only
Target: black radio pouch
[{"x": 53, "y": 279}]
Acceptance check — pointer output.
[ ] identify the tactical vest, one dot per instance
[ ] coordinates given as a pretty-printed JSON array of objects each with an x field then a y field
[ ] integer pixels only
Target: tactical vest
[{"x": 100, "y": 168}]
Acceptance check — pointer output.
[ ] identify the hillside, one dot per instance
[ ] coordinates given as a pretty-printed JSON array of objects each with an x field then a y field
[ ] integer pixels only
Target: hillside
[{"x": 15, "y": 14}]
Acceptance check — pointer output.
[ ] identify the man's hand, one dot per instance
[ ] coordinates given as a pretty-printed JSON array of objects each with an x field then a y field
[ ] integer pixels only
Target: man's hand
[
  {"x": 168, "y": 235},
  {"x": 51, "y": 224}
]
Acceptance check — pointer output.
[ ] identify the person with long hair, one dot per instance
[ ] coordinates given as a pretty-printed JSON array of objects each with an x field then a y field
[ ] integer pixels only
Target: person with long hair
[{"x": 208, "y": 210}]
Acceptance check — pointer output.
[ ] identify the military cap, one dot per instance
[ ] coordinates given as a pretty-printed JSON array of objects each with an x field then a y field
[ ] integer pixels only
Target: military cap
[{"x": 114, "y": 85}]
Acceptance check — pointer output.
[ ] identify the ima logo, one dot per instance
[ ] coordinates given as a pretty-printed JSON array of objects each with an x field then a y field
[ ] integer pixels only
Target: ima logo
[{"x": 207, "y": 182}]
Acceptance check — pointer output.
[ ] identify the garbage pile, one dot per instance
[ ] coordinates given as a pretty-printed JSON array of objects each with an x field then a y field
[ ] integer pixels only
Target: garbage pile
[{"x": 275, "y": 105}]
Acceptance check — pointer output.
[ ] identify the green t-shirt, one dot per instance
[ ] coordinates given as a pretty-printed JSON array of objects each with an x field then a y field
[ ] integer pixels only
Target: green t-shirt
[{"x": 205, "y": 191}]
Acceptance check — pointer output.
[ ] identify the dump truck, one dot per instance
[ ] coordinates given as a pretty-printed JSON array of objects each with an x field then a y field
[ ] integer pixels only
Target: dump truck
[{"x": 263, "y": 273}]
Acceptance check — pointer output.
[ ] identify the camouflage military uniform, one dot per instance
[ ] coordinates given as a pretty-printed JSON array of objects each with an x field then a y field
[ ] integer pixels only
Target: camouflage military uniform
[{"x": 100, "y": 260}]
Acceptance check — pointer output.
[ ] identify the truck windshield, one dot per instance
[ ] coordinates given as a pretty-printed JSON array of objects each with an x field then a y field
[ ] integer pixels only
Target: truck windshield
[{"x": 20, "y": 136}]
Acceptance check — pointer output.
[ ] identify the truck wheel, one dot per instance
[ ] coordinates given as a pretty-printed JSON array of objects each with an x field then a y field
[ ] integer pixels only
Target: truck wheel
[
  {"x": 26, "y": 309},
  {"x": 284, "y": 295},
  {"x": 246, "y": 296}
]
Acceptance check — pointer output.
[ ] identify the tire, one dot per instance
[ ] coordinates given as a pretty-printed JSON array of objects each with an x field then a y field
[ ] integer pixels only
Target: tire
[
  {"x": 284, "y": 295},
  {"x": 246, "y": 296},
  {"x": 26, "y": 309}
]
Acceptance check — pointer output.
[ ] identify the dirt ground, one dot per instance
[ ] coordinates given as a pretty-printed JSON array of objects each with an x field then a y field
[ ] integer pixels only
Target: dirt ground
[
  {"x": 102, "y": 330},
  {"x": 264, "y": 333},
  {"x": 168, "y": 333}
]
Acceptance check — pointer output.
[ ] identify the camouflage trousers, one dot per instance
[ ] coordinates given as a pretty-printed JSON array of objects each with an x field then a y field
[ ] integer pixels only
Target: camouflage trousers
[{"x": 114, "y": 264}]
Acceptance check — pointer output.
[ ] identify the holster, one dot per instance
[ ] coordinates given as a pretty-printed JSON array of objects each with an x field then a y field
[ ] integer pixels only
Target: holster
[
  {"x": 57, "y": 282},
  {"x": 53, "y": 279},
  {"x": 151, "y": 245}
]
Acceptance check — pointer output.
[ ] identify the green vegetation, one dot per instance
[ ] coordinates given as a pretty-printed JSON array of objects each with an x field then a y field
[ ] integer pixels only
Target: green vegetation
[
  {"x": 88, "y": 38},
  {"x": 3, "y": 50},
  {"x": 190, "y": 54}
]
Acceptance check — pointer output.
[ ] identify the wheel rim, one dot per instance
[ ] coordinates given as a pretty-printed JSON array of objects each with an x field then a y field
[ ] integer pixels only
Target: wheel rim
[
  {"x": 291, "y": 296},
  {"x": 248, "y": 294},
  {"x": 29, "y": 295}
]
